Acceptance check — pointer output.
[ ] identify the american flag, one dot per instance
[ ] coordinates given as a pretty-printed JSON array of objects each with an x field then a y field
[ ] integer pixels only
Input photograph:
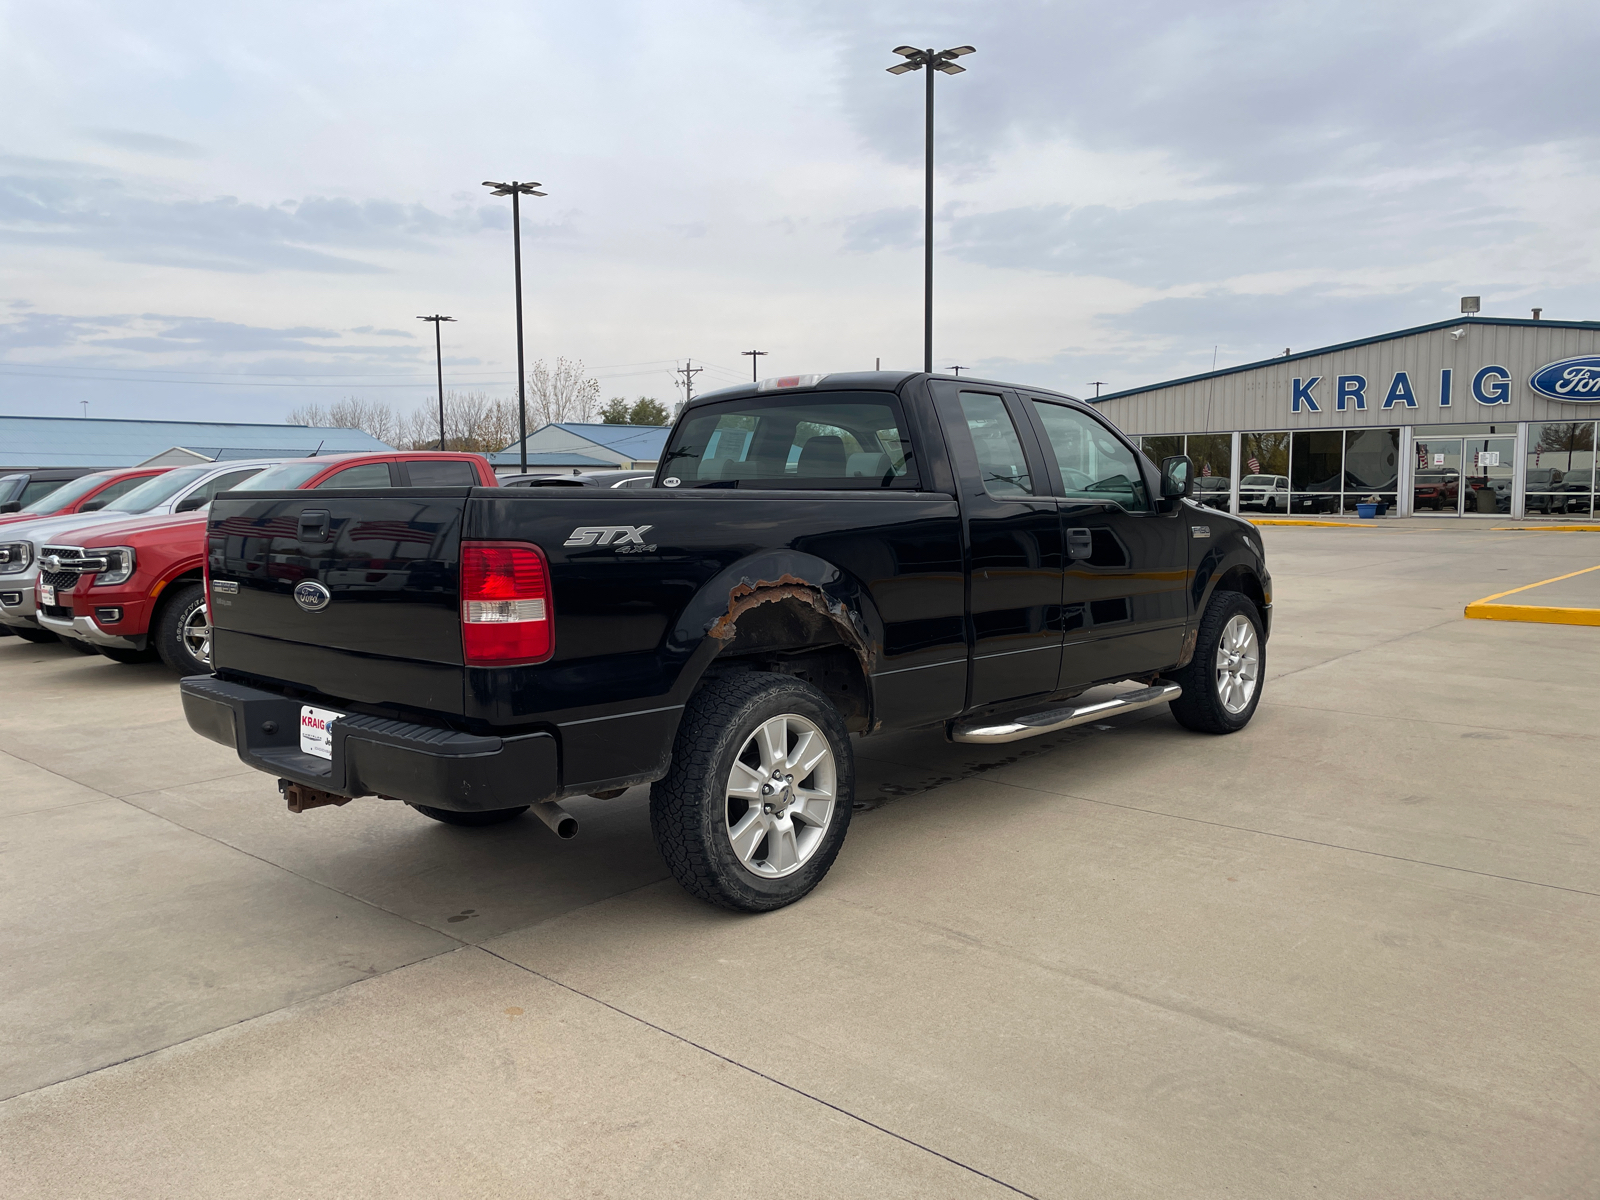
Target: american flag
[
  {"x": 1205, "y": 469},
  {"x": 1254, "y": 465}
]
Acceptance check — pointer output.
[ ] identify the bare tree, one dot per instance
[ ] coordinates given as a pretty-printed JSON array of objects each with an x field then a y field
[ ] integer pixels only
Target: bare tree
[
  {"x": 563, "y": 393},
  {"x": 354, "y": 412}
]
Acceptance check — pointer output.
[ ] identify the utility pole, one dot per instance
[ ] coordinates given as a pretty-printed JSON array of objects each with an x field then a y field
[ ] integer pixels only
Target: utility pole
[
  {"x": 516, "y": 190},
  {"x": 1098, "y": 384},
  {"x": 958, "y": 370},
  {"x": 931, "y": 61},
  {"x": 438, "y": 359},
  {"x": 688, "y": 372},
  {"x": 754, "y": 354}
]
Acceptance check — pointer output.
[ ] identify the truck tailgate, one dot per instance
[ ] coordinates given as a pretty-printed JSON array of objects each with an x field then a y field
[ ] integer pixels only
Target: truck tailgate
[{"x": 303, "y": 579}]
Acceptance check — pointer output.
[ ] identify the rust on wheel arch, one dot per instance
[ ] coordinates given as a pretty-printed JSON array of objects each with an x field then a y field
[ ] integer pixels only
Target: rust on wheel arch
[{"x": 745, "y": 596}]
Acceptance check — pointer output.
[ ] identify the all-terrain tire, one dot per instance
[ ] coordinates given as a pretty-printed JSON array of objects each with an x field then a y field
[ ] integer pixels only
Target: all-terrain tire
[
  {"x": 1212, "y": 671},
  {"x": 493, "y": 816},
  {"x": 174, "y": 630},
  {"x": 34, "y": 635},
  {"x": 691, "y": 812}
]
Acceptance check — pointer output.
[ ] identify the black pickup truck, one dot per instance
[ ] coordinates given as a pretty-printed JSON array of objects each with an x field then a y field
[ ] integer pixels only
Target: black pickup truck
[{"x": 819, "y": 556}]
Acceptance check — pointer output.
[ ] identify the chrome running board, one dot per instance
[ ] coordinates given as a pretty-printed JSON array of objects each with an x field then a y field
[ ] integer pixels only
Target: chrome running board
[{"x": 1064, "y": 718}]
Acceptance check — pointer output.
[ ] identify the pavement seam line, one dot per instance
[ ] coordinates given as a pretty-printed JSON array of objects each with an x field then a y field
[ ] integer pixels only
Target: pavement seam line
[
  {"x": 289, "y": 870},
  {"x": 271, "y": 1012},
  {"x": 1289, "y": 837},
  {"x": 733, "y": 1062}
]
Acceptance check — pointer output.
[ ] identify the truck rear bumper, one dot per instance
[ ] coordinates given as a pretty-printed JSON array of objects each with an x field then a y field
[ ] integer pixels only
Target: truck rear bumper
[{"x": 419, "y": 764}]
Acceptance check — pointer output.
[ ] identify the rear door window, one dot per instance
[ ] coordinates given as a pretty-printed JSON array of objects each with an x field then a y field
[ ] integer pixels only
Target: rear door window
[
  {"x": 363, "y": 475},
  {"x": 441, "y": 473},
  {"x": 223, "y": 482},
  {"x": 1001, "y": 462},
  {"x": 830, "y": 441}
]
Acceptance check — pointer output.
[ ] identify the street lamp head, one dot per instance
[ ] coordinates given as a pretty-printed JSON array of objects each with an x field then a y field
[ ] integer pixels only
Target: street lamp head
[
  {"x": 505, "y": 189},
  {"x": 958, "y": 51},
  {"x": 949, "y": 68},
  {"x": 915, "y": 60},
  {"x": 436, "y": 317}
]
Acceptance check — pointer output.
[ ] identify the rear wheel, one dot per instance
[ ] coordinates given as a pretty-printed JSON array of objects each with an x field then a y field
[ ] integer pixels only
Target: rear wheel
[
  {"x": 1222, "y": 683},
  {"x": 33, "y": 635},
  {"x": 495, "y": 816},
  {"x": 759, "y": 797},
  {"x": 182, "y": 630}
]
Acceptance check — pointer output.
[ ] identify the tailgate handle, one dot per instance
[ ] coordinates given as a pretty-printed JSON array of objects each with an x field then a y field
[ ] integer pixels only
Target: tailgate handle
[
  {"x": 1080, "y": 544},
  {"x": 314, "y": 525}
]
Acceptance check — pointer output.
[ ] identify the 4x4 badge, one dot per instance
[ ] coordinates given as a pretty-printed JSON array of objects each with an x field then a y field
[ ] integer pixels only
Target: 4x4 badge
[{"x": 608, "y": 535}]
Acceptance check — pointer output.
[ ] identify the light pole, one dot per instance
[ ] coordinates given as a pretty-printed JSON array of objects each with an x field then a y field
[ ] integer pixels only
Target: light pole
[
  {"x": 958, "y": 370},
  {"x": 754, "y": 354},
  {"x": 438, "y": 359},
  {"x": 933, "y": 60},
  {"x": 1098, "y": 384},
  {"x": 516, "y": 191}
]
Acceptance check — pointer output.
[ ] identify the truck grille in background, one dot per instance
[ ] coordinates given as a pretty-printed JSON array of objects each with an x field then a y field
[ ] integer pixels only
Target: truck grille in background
[{"x": 62, "y": 581}]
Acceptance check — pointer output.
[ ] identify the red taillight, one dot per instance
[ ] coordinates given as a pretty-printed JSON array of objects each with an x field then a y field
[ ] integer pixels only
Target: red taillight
[{"x": 505, "y": 604}]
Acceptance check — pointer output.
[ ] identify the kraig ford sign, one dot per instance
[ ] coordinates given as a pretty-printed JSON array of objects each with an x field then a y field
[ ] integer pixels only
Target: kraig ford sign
[{"x": 1576, "y": 379}]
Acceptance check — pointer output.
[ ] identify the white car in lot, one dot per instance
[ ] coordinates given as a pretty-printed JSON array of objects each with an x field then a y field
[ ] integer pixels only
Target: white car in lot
[{"x": 1270, "y": 492}]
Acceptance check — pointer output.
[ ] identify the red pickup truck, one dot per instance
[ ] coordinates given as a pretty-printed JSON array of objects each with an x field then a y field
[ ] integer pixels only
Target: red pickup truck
[
  {"x": 135, "y": 589},
  {"x": 86, "y": 493}
]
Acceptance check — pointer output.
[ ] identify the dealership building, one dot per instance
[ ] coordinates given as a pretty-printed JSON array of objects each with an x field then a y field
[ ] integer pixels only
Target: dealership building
[{"x": 1479, "y": 416}]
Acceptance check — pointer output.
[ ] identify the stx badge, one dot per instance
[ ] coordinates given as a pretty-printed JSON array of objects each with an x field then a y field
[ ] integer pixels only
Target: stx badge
[{"x": 608, "y": 535}]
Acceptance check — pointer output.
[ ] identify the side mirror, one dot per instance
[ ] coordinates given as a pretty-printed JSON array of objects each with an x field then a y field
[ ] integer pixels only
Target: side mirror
[
  {"x": 11, "y": 506},
  {"x": 1177, "y": 477},
  {"x": 191, "y": 502}
]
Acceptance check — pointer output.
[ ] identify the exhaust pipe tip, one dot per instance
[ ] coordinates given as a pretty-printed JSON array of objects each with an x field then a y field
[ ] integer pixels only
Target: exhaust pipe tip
[{"x": 563, "y": 823}]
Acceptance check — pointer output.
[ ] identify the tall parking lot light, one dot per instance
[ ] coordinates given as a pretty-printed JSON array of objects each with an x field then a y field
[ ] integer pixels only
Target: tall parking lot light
[
  {"x": 516, "y": 191},
  {"x": 933, "y": 60},
  {"x": 438, "y": 360}
]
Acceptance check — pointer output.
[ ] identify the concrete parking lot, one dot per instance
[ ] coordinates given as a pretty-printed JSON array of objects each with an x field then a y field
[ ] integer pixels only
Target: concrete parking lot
[{"x": 1349, "y": 952}]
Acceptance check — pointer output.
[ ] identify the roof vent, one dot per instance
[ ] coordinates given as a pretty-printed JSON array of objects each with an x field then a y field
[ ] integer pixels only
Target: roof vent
[{"x": 1536, "y": 313}]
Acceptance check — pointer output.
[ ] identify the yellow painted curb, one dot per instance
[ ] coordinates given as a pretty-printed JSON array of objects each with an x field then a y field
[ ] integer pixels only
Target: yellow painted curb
[
  {"x": 1546, "y": 528},
  {"x": 1487, "y": 610},
  {"x": 1534, "y": 614},
  {"x": 1289, "y": 521}
]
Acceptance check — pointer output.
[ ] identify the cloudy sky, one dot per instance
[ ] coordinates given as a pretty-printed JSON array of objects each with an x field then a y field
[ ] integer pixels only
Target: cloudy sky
[{"x": 229, "y": 210}]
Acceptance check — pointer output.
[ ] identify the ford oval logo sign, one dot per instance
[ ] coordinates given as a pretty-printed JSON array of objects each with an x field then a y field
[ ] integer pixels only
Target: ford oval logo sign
[
  {"x": 1570, "y": 379},
  {"x": 312, "y": 596}
]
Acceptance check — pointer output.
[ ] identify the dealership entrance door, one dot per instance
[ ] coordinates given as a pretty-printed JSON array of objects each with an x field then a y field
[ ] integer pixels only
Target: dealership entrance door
[{"x": 1456, "y": 476}]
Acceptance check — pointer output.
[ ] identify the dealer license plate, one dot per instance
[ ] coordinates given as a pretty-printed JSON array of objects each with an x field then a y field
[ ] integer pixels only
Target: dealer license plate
[
  {"x": 47, "y": 594},
  {"x": 315, "y": 737}
]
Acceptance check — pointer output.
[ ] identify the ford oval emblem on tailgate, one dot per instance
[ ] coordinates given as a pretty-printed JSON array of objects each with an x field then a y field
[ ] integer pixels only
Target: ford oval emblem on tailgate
[{"x": 312, "y": 596}]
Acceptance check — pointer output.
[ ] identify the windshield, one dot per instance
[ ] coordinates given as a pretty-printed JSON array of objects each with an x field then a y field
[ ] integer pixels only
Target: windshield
[
  {"x": 159, "y": 490},
  {"x": 69, "y": 493},
  {"x": 285, "y": 477},
  {"x": 826, "y": 440}
]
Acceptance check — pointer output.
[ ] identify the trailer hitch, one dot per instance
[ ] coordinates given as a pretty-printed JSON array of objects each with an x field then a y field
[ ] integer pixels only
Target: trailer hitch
[{"x": 302, "y": 797}]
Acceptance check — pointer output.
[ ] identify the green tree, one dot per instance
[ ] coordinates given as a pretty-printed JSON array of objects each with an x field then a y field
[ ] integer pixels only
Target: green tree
[
  {"x": 646, "y": 411},
  {"x": 616, "y": 412}
]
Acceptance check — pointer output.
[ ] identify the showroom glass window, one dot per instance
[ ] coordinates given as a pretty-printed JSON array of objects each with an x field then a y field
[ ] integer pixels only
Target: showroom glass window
[{"x": 1561, "y": 469}]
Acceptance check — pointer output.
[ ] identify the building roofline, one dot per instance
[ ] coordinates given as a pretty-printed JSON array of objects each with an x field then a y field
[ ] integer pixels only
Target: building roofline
[
  {"x": 155, "y": 421},
  {"x": 1367, "y": 341}
]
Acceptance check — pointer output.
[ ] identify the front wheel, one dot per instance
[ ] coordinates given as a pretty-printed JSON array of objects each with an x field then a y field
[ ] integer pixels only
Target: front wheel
[
  {"x": 1222, "y": 683},
  {"x": 182, "y": 632},
  {"x": 759, "y": 797}
]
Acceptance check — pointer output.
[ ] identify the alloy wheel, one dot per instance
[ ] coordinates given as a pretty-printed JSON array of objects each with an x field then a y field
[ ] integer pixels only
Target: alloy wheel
[
  {"x": 196, "y": 634},
  {"x": 780, "y": 796},
  {"x": 1238, "y": 663}
]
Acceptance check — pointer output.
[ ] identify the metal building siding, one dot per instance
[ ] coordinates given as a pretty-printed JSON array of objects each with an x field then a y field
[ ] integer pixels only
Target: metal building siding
[{"x": 1259, "y": 398}]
